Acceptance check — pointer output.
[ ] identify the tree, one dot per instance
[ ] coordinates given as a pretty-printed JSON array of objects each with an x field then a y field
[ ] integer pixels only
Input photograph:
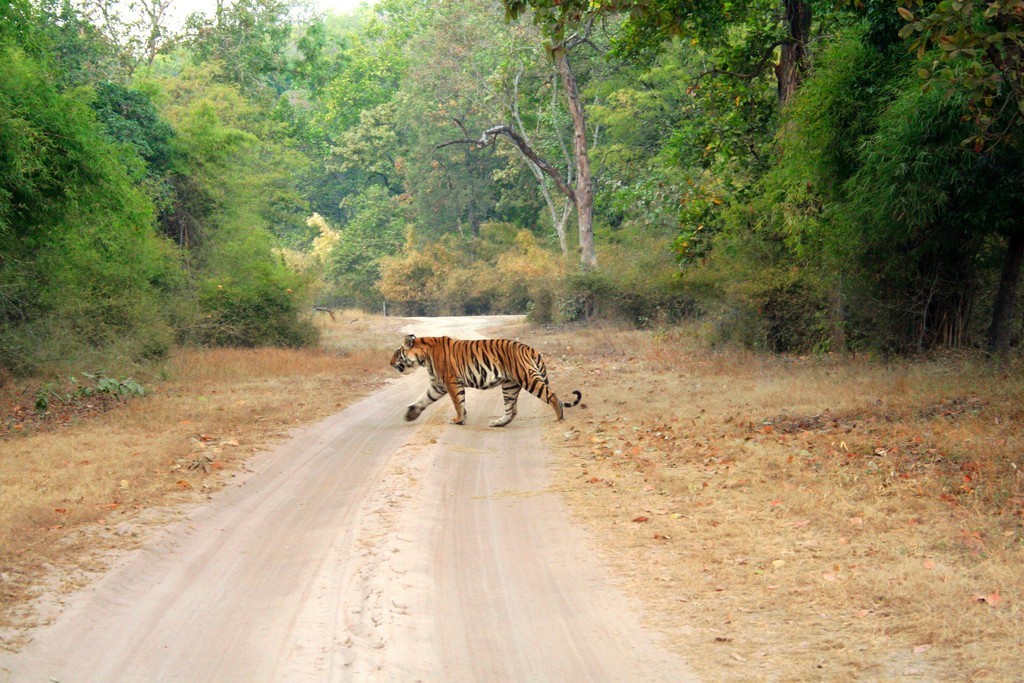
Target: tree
[
  {"x": 59, "y": 36},
  {"x": 248, "y": 37},
  {"x": 460, "y": 51},
  {"x": 581, "y": 191},
  {"x": 375, "y": 229},
  {"x": 792, "y": 65},
  {"x": 513, "y": 102},
  {"x": 82, "y": 269},
  {"x": 767, "y": 27},
  {"x": 981, "y": 51},
  {"x": 138, "y": 28}
]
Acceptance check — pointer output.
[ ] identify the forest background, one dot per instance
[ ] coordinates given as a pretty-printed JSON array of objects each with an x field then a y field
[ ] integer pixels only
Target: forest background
[{"x": 798, "y": 176}]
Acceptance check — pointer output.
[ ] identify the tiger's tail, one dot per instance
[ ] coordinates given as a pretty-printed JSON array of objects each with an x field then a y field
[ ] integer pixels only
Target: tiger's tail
[{"x": 579, "y": 397}]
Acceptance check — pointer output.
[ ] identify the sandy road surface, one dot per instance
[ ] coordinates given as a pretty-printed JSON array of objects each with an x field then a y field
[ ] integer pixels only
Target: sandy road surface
[{"x": 366, "y": 549}]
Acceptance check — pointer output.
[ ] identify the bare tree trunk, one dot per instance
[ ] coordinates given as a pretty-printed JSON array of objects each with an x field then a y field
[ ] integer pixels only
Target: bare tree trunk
[
  {"x": 1006, "y": 298},
  {"x": 793, "y": 58},
  {"x": 582, "y": 195},
  {"x": 558, "y": 222},
  {"x": 584, "y": 190}
]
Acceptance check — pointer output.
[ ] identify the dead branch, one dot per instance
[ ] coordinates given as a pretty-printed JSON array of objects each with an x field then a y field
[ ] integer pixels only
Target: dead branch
[
  {"x": 490, "y": 137},
  {"x": 757, "y": 70}
]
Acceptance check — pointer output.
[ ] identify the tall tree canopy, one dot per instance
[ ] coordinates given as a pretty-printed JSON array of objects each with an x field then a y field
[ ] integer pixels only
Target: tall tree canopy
[{"x": 802, "y": 175}]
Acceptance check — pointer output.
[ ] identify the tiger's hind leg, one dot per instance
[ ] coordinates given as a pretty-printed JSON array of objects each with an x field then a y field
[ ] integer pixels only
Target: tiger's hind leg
[
  {"x": 538, "y": 386},
  {"x": 510, "y": 393}
]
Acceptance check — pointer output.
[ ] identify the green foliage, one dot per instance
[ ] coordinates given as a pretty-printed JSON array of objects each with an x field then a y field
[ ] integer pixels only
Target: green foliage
[
  {"x": 980, "y": 47},
  {"x": 248, "y": 37},
  {"x": 922, "y": 207},
  {"x": 749, "y": 293},
  {"x": 875, "y": 193},
  {"x": 70, "y": 389},
  {"x": 375, "y": 229},
  {"x": 449, "y": 93},
  {"x": 143, "y": 205},
  {"x": 264, "y": 309},
  {"x": 132, "y": 119},
  {"x": 818, "y": 148},
  {"x": 81, "y": 269},
  {"x": 56, "y": 35},
  {"x": 367, "y": 152},
  {"x": 368, "y": 71},
  {"x": 239, "y": 190}
]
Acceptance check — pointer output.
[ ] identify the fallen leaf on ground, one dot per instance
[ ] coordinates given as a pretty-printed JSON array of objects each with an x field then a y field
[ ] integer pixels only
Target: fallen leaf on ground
[{"x": 993, "y": 599}]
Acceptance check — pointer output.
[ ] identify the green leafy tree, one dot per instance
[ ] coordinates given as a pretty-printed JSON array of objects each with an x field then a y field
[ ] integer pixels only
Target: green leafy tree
[
  {"x": 448, "y": 89},
  {"x": 368, "y": 70},
  {"x": 556, "y": 22},
  {"x": 375, "y": 229},
  {"x": 248, "y": 37},
  {"x": 235, "y": 182},
  {"x": 57, "y": 34},
  {"x": 82, "y": 270},
  {"x": 138, "y": 29},
  {"x": 980, "y": 52}
]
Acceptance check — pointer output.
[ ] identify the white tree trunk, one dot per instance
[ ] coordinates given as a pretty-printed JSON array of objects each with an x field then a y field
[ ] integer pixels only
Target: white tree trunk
[{"x": 584, "y": 190}]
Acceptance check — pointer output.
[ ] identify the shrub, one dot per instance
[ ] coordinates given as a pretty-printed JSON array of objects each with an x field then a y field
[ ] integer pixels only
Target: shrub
[
  {"x": 82, "y": 270},
  {"x": 638, "y": 283},
  {"x": 751, "y": 295},
  {"x": 265, "y": 310},
  {"x": 439, "y": 278}
]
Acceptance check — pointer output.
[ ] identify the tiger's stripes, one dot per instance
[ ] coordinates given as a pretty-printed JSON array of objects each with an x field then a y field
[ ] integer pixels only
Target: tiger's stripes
[{"x": 457, "y": 364}]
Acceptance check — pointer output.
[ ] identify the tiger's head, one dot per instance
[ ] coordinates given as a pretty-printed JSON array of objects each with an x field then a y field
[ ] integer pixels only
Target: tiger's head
[{"x": 409, "y": 355}]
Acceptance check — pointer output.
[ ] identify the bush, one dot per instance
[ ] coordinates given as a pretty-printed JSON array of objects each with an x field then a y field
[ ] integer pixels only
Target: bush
[
  {"x": 637, "y": 283},
  {"x": 439, "y": 278},
  {"x": 82, "y": 270},
  {"x": 259, "y": 311},
  {"x": 752, "y": 296}
]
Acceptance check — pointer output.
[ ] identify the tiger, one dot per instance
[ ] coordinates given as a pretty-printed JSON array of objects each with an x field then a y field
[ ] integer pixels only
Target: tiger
[{"x": 455, "y": 364}]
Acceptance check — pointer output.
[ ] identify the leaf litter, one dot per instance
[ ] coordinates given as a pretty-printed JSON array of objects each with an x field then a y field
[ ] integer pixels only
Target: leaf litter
[{"x": 834, "y": 537}]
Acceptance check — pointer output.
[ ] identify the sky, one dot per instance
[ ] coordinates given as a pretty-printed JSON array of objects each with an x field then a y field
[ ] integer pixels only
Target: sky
[{"x": 181, "y": 9}]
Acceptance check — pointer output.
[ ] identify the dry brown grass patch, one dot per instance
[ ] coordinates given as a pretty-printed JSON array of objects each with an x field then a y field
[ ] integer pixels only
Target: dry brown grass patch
[
  {"x": 67, "y": 493},
  {"x": 802, "y": 519}
]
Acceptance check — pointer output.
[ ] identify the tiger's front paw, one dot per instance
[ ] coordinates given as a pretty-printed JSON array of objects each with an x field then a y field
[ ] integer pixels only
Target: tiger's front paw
[{"x": 412, "y": 413}]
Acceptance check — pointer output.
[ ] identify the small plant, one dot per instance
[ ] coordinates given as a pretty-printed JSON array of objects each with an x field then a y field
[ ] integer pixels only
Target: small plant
[
  {"x": 47, "y": 394},
  {"x": 98, "y": 385},
  {"x": 109, "y": 386}
]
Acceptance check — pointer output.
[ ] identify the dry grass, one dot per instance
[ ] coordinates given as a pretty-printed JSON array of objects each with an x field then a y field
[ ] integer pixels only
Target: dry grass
[
  {"x": 802, "y": 519},
  {"x": 66, "y": 493}
]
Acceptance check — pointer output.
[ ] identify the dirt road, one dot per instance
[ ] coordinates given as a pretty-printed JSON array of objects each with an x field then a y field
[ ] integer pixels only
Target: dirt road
[{"x": 366, "y": 548}]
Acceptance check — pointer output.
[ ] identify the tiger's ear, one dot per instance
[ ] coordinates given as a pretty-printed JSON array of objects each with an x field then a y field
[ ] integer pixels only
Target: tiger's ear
[{"x": 409, "y": 339}]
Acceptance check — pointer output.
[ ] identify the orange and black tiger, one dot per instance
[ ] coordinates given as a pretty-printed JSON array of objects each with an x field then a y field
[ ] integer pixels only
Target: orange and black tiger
[{"x": 457, "y": 364}]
